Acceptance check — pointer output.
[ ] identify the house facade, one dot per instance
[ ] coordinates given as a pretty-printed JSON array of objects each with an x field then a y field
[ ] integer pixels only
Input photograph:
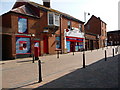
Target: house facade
[
  {"x": 34, "y": 29},
  {"x": 113, "y": 38},
  {"x": 95, "y": 33}
]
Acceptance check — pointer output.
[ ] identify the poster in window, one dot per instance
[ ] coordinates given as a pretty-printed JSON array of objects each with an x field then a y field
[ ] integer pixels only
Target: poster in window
[
  {"x": 22, "y": 25},
  {"x": 68, "y": 46},
  {"x": 22, "y": 45}
]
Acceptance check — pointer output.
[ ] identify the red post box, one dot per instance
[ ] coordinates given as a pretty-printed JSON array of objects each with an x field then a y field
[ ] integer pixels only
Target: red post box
[{"x": 36, "y": 52}]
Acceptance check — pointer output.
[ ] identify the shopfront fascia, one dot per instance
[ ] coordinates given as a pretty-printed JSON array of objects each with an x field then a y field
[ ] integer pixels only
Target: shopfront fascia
[{"x": 74, "y": 40}]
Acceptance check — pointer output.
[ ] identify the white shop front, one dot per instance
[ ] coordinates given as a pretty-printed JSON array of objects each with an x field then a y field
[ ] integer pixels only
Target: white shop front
[{"x": 74, "y": 40}]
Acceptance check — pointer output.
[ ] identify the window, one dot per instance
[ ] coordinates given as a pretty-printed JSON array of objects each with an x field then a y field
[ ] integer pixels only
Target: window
[
  {"x": 110, "y": 37},
  {"x": 22, "y": 45},
  {"x": 53, "y": 19},
  {"x": 56, "y": 19},
  {"x": 50, "y": 18},
  {"x": 58, "y": 42},
  {"x": 88, "y": 27},
  {"x": 69, "y": 24},
  {"x": 22, "y": 25},
  {"x": 80, "y": 27}
]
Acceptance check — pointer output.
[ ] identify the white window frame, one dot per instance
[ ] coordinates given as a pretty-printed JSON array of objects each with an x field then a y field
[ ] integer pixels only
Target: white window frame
[
  {"x": 54, "y": 21},
  {"x": 80, "y": 27}
]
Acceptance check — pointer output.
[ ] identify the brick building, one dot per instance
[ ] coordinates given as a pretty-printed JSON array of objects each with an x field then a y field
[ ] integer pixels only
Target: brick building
[
  {"x": 30, "y": 28},
  {"x": 95, "y": 33},
  {"x": 113, "y": 38}
]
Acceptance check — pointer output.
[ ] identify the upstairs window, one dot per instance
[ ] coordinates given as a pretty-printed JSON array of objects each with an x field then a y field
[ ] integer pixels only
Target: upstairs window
[
  {"x": 88, "y": 26},
  {"x": 53, "y": 19},
  {"x": 22, "y": 25},
  {"x": 69, "y": 24},
  {"x": 56, "y": 19},
  {"x": 80, "y": 27}
]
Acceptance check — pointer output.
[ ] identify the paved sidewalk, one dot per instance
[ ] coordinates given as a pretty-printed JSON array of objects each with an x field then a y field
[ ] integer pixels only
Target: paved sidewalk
[
  {"x": 101, "y": 74},
  {"x": 22, "y": 73}
]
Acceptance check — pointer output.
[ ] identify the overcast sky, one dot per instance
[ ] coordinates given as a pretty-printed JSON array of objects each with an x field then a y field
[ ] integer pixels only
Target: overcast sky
[{"x": 107, "y": 10}]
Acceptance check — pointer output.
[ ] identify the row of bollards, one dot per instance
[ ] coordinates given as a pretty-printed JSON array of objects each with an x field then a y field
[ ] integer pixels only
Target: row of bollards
[
  {"x": 105, "y": 56},
  {"x": 39, "y": 62}
]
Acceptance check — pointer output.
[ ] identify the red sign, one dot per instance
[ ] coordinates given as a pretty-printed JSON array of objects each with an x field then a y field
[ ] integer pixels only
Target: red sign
[
  {"x": 67, "y": 30},
  {"x": 74, "y": 39}
]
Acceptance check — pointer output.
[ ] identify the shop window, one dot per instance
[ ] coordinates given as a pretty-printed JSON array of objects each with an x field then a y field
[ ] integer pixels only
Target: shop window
[
  {"x": 23, "y": 45},
  {"x": 69, "y": 24},
  {"x": 58, "y": 42},
  {"x": 22, "y": 25}
]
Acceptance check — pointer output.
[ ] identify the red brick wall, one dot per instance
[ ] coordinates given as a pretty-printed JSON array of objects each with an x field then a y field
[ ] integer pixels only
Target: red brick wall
[
  {"x": 36, "y": 26},
  {"x": 33, "y": 27},
  {"x": 95, "y": 26}
]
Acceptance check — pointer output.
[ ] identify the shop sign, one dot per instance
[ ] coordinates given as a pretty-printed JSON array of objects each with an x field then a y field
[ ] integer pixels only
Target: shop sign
[
  {"x": 74, "y": 33},
  {"x": 74, "y": 39}
]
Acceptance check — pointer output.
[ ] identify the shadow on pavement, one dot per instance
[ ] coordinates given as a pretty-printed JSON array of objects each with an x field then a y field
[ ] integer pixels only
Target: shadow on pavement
[
  {"x": 101, "y": 74},
  {"x": 26, "y": 61}
]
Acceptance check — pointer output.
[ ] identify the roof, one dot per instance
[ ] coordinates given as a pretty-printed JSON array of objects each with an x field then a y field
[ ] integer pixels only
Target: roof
[
  {"x": 116, "y": 31},
  {"x": 39, "y": 6},
  {"x": 20, "y": 14},
  {"x": 95, "y": 17},
  {"x": 24, "y": 9}
]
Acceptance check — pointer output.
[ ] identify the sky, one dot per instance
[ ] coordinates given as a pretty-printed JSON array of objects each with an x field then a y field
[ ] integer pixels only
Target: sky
[{"x": 107, "y": 10}]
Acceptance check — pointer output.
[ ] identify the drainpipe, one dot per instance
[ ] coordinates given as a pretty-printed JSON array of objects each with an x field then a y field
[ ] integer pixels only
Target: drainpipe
[{"x": 61, "y": 34}]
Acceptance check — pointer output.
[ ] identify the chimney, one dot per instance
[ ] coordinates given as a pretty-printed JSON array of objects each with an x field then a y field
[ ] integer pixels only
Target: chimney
[{"x": 46, "y": 3}]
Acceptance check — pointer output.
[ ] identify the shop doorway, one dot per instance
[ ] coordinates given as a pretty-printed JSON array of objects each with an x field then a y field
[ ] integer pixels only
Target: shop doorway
[
  {"x": 91, "y": 45},
  {"x": 72, "y": 46},
  {"x": 6, "y": 47},
  {"x": 45, "y": 43}
]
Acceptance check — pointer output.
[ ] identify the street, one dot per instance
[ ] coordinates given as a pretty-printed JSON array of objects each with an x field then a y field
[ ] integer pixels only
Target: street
[{"x": 22, "y": 73}]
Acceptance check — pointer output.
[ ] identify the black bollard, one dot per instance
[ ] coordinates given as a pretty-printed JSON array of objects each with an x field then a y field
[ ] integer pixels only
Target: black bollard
[
  {"x": 83, "y": 59},
  {"x": 73, "y": 52},
  {"x": 113, "y": 52},
  {"x": 105, "y": 56},
  {"x": 33, "y": 58},
  {"x": 40, "y": 76},
  {"x": 57, "y": 54}
]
